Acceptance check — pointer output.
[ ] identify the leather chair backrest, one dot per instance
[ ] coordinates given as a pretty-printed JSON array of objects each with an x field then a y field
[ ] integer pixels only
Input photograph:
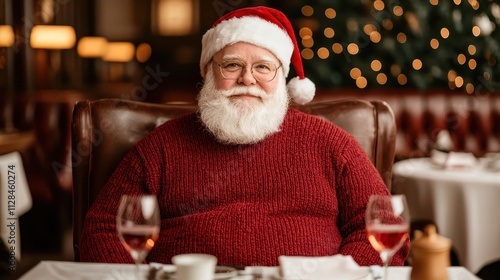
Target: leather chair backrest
[{"x": 103, "y": 131}]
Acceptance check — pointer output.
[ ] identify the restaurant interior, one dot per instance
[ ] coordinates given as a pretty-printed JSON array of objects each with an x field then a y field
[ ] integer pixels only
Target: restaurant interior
[{"x": 435, "y": 63}]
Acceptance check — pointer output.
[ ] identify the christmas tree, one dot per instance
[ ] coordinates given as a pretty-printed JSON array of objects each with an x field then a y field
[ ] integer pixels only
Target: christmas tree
[{"x": 421, "y": 44}]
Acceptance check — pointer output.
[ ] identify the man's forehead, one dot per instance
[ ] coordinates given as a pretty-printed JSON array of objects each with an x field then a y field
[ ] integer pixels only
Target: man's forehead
[
  {"x": 245, "y": 51},
  {"x": 237, "y": 56}
]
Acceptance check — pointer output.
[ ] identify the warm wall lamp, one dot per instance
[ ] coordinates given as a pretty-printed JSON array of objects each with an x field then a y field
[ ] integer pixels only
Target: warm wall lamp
[
  {"x": 175, "y": 17},
  {"x": 50, "y": 40},
  {"x": 92, "y": 47},
  {"x": 6, "y": 36},
  {"x": 57, "y": 37},
  {"x": 119, "y": 52}
]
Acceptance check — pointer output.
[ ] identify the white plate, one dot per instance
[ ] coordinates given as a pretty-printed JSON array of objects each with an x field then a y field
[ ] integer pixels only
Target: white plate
[
  {"x": 225, "y": 272},
  {"x": 166, "y": 272}
]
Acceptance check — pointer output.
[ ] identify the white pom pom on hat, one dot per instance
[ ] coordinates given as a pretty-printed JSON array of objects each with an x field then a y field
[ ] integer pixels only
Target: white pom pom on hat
[{"x": 267, "y": 28}]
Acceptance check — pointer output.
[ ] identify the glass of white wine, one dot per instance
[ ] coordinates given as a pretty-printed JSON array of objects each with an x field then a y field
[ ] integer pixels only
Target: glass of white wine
[{"x": 138, "y": 226}]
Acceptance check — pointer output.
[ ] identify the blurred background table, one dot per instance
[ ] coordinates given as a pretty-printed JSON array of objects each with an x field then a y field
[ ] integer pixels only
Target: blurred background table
[
  {"x": 15, "y": 200},
  {"x": 15, "y": 141},
  {"x": 464, "y": 204}
]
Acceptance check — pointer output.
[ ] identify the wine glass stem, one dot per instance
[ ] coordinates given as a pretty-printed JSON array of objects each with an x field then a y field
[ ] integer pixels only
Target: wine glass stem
[
  {"x": 137, "y": 272},
  {"x": 386, "y": 257}
]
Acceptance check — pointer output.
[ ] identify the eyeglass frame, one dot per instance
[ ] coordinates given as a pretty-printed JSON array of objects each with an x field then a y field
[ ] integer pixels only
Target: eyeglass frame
[{"x": 244, "y": 67}]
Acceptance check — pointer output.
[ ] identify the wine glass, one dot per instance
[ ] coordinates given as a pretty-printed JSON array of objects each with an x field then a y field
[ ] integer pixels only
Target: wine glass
[
  {"x": 387, "y": 224},
  {"x": 138, "y": 225}
]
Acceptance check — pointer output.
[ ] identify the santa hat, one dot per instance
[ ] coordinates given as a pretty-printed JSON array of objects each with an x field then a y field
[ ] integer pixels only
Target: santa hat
[{"x": 264, "y": 27}]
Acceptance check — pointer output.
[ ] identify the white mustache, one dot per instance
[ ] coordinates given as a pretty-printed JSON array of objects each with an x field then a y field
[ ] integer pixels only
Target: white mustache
[{"x": 254, "y": 91}]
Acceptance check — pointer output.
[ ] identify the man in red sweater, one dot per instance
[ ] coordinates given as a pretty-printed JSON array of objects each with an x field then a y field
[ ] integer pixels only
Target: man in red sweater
[{"x": 246, "y": 178}]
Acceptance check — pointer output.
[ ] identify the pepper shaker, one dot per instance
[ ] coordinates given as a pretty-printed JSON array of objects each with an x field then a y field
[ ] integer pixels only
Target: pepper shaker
[{"x": 430, "y": 255}]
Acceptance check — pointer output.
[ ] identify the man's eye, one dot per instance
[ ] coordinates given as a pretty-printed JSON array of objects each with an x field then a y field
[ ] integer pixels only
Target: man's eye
[
  {"x": 232, "y": 66},
  {"x": 263, "y": 67}
]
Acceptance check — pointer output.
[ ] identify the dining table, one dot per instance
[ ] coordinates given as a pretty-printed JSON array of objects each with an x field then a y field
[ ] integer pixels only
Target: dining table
[
  {"x": 50, "y": 270},
  {"x": 11, "y": 141},
  {"x": 462, "y": 201}
]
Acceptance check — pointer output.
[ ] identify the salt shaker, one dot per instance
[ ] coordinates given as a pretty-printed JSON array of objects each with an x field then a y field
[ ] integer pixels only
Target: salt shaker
[{"x": 430, "y": 255}]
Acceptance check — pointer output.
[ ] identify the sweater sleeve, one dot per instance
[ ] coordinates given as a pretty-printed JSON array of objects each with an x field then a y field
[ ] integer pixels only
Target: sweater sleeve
[
  {"x": 100, "y": 242},
  {"x": 357, "y": 180}
]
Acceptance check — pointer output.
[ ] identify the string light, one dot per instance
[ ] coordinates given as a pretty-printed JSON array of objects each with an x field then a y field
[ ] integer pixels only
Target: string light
[
  {"x": 337, "y": 48},
  {"x": 445, "y": 33},
  {"x": 486, "y": 76},
  {"x": 379, "y": 5},
  {"x": 361, "y": 82},
  {"x": 459, "y": 82},
  {"x": 387, "y": 24},
  {"x": 305, "y": 32},
  {"x": 397, "y": 10},
  {"x": 417, "y": 64},
  {"x": 307, "y": 54},
  {"x": 434, "y": 2},
  {"x": 308, "y": 43},
  {"x": 376, "y": 65},
  {"x": 323, "y": 53},
  {"x": 329, "y": 32},
  {"x": 352, "y": 49},
  {"x": 355, "y": 73},
  {"x": 434, "y": 43},
  {"x": 474, "y": 4},
  {"x": 402, "y": 80},
  {"x": 469, "y": 88},
  {"x": 395, "y": 70},
  {"x": 381, "y": 78},
  {"x": 307, "y": 11},
  {"x": 472, "y": 64},
  {"x": 369, "y": 28},
  {"x": 352, "y": 25},
  {"x": 461, "y": 59},
  {"x": 375, "y": 37},
  {"x": 401, "y": 37},
  {"x": 452, "y": 75},
  {"x": 330, "y": 13}
]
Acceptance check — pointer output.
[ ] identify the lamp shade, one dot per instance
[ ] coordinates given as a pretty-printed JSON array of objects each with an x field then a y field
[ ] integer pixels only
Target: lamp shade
[
  {"x": 6, "y": 36},
  {"x": 119, "y": 52},
  {"x": 176, "y": 17},
  {"x": 92, "y": 46},
  {"x": 52, "y": 37}
]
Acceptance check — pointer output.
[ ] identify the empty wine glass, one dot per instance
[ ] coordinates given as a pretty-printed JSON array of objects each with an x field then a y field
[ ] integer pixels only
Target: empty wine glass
[
  {"x": 387, "y": 224},
  {"x": 138, "y": 226}
]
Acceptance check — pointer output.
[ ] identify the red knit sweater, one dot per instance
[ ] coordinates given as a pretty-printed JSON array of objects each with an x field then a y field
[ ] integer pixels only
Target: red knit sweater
[{"x": 301, "y": 191}]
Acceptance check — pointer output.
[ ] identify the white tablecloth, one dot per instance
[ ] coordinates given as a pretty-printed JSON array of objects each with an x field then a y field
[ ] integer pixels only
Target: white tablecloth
[
  {"x": 464, "y": 203},
  {"x": 55, "y": 270},
  {"x": 15, "y": 200}
]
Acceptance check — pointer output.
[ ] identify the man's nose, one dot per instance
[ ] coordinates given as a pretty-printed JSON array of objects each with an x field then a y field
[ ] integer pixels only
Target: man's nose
[{"x": 246, "y": 76}]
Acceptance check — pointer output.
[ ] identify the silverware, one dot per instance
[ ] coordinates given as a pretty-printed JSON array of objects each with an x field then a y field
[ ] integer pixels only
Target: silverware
[{"x": 376, "y": 272}]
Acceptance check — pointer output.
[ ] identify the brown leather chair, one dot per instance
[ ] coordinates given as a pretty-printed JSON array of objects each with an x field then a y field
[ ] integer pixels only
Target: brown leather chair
[{"x": 104, "y": 130}]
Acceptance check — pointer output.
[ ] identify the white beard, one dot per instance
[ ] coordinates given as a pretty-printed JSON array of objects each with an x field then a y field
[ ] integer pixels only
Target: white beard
[{"x": 242, "y": 121}]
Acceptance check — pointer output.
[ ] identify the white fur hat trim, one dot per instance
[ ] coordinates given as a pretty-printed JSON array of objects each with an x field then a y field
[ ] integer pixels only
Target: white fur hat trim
[{"x": 249, "y": 29}]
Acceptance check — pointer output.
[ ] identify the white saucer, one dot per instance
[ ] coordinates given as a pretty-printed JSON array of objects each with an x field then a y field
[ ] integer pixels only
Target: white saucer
[{"x": 221, "y": 272}]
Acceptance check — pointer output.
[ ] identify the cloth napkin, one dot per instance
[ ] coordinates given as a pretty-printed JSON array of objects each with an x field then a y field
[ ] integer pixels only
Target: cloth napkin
[
  {"x": 321, "y": 268},
  {"x": 453, "y": 160}
]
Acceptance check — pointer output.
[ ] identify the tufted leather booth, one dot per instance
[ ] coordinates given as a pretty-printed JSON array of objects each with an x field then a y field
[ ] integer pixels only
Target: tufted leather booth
[
  {"x": 472, "y": 120},
  {"x": 104, "y": 130}
]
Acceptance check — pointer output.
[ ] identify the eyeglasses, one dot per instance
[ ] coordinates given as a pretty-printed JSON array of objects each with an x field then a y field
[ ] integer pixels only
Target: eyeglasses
[{"x": 262, "y": 71}]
